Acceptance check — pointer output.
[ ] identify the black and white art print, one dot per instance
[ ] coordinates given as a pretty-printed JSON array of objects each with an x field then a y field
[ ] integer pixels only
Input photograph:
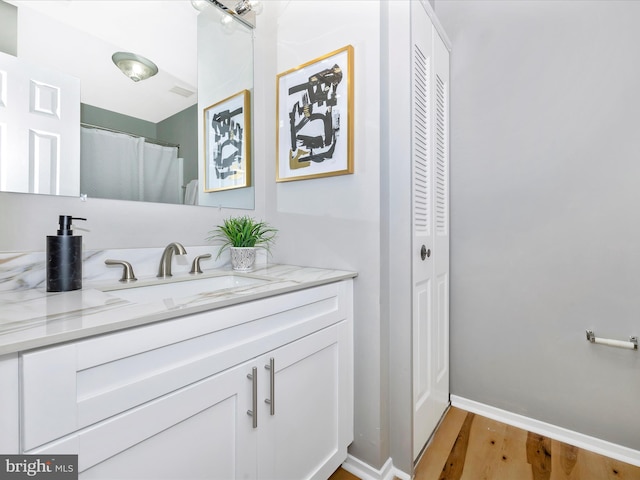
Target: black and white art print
[
  {"x": 315, "y": 118},
  {"x": 227, "y": 143}
]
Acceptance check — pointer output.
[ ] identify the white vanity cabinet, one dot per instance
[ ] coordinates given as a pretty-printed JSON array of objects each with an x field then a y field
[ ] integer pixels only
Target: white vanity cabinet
[
  {"x": 258, "y": 390},
  {"x": 197, "y": 432},
  {"x": 308, "y": 418}
]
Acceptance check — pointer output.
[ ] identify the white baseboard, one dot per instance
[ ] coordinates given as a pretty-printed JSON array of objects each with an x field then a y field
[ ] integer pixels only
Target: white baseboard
[
  {"x": 580, "y": 440},
  {"x": 366, "y": 472}
]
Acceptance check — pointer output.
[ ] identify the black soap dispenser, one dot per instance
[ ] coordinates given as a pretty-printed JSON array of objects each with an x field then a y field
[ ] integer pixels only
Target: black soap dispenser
[{"x": 64, "y": 258}]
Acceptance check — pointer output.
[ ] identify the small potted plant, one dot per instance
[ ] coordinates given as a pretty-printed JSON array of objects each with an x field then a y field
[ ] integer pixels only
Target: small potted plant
[{"x": 242, "y": 235}]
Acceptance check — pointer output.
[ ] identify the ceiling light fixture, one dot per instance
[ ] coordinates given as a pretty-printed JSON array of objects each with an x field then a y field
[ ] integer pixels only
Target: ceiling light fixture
[
  {"x": 134, "y": 66},
  {"x": 241, "y": 8},
  {"x": 244, "y": 6},
  {"x": 199, "y": 5},
  {"x": 228, "y": 24}
]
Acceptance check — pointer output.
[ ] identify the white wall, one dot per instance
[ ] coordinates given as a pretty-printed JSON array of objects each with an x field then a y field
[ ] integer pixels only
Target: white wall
[
  {"x": 335, "y": 222},
  {"x": 28, "y": 219},
  {"x": 544, "y": 209}
]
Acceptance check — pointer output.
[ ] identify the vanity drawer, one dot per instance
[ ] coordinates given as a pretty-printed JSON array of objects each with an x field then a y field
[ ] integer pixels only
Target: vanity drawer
[{"x": 69, "y": 387}]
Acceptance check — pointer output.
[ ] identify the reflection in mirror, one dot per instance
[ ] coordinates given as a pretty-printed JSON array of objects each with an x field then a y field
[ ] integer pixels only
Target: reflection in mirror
[
  {"x": 223, "y": 73},
  {"x": 149, "y": 129}
]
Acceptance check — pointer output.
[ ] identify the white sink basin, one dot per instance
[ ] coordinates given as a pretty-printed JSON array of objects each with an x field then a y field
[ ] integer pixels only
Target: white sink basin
[{"x": 185, "y": 288}]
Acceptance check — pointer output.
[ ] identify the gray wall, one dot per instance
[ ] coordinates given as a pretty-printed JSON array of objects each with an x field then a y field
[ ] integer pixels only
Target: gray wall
[
  {"x": 545, "y": 209},
  {"x": 117, "y": 121},
  {"x": 182, "y": 128}
]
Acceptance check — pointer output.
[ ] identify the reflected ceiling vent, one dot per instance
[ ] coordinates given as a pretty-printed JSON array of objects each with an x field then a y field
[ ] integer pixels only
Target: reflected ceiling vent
[{"x": 185, "y": 92}]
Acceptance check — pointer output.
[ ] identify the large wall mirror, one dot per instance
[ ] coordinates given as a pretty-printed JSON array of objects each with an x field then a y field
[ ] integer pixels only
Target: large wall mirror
[{"x": 137, "y": 140}]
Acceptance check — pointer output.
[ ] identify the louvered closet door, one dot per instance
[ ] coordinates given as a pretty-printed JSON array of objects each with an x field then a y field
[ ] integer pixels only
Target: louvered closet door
[{"x": 430, "y": 275}]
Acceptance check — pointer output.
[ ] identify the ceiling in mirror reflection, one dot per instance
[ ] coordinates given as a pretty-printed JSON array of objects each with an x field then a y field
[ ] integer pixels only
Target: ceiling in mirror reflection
[{"x": 85, "y": 34}]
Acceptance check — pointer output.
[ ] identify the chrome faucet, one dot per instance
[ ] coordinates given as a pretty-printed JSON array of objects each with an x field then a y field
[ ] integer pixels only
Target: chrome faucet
[{"x": 165, "y": 261}]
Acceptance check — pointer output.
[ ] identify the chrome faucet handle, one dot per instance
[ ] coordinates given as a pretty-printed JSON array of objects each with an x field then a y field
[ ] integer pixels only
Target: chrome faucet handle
[
  {"x": 127, "y": 271},
  {"x": 195, "y": 266}
]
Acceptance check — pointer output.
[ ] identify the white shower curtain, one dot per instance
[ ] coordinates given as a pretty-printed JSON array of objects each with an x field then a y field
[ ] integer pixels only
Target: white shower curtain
[
  {"x": 109, "y": 166},
  {"x": 162, "y": 178},
  {"x": 119, "y": 166}
]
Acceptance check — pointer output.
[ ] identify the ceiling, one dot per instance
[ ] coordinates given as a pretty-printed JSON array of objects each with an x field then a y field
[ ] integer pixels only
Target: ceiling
[{"x": 78, "y": 37}]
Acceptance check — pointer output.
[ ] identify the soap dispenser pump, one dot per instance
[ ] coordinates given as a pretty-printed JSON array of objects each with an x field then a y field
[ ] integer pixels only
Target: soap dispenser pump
[{"x": 64, "y": 257}]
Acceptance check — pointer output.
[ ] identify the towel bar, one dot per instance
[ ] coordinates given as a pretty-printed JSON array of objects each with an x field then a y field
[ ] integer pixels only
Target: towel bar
[{"x": 632, "y": 344}]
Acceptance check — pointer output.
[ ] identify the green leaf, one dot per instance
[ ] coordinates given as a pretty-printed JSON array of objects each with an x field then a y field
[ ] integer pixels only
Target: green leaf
[{"x": 243, "y": 231}]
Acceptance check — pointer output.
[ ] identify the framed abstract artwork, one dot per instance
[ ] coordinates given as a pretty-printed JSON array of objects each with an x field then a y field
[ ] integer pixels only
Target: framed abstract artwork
[
  {"x": 227, "y": 143},
  {"x": 315, "y": 118}
]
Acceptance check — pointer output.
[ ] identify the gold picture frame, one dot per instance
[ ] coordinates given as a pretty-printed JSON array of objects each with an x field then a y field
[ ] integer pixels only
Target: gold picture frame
[
  {"x": 227, "y": 143},
  {"x": 314, "y": 104}
]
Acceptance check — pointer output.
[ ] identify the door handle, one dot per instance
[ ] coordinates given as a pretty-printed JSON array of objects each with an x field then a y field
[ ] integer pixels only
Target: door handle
[{"x": 425, "y": 252}]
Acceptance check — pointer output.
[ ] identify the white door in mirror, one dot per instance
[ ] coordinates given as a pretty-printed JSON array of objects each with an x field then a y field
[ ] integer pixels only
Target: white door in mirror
[{"x": 40, "y": 127}]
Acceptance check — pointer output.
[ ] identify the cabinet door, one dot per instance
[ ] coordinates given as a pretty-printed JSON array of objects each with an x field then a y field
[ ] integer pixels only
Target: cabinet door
[
  {"x": 302, "y": 438},
  {"x": 10, "y": 411},
  {"x": 201, "y": 431}
]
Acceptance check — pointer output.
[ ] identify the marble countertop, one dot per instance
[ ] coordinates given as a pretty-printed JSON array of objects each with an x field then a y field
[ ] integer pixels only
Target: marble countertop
[{"x": 34, "y": 318}]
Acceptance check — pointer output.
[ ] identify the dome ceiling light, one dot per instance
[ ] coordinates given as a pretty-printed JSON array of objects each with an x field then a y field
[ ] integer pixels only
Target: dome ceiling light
[{"x": 136, "y": 67}]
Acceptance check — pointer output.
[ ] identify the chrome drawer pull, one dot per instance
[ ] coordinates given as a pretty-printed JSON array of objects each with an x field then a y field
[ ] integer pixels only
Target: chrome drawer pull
[
  {"x": 253, "y": 376},
  {"x": 272, "y": 385}
]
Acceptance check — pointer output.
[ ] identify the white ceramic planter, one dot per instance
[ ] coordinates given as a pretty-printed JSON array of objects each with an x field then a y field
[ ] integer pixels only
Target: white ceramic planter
[{"x": 243, "y": 258}]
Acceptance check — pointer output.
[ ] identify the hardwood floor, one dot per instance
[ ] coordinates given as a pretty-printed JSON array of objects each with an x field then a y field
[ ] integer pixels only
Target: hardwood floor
[
  {"x": 342, "y": 474},
  {"x": 472, "y": 447}
]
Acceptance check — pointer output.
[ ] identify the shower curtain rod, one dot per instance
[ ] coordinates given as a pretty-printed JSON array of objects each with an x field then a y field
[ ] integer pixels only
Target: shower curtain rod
[{"x": 150, "y": 140}]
